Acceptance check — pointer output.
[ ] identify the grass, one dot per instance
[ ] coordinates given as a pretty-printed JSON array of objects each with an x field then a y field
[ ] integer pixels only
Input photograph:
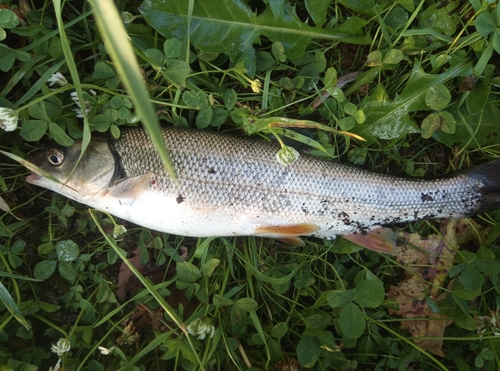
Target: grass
[{"x": 423, "y": 95}]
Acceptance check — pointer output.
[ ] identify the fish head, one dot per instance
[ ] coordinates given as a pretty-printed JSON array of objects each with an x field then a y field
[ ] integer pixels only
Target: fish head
[{"x": 79, "y": 178}]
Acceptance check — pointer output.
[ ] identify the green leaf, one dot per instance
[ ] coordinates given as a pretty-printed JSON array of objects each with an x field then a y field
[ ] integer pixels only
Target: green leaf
[
  {"x": 11, "y": 306},
  {"x": 230, "y": 98},
  {"x": 337, "y": 298},
  {"x": 247, "y": 304},
  {"x": 477, "y": 99},
  {"x": 59, "y": 135},
  {"x": 278, "y": 51},
  {"x": 8, "y": 19},
  {"x": 390, "y": 119},
  {"x": 195, "y": 99},
  {"x": 437, "y": 97},
  {"x": 330, "y": 80},
  {"x": 187, "y": 272},
  {"x": 221, "y": 301},
  {"x": 33, "y": 130},
  {"x": 208, "y": 268},
  {"x": 369, "y": 293},
  {"x": 45, "y": 269},
  {"x": 440, "y": 18},
  {"x": 393, "y": 56},
  {"x": 103, "y": 71},
  {"x": 308, "y": 351},
  {"x": 485, "y": 24},
  {"x": 177, "y": 71},
  {"x": 68, "y": 271},
  {"x": 67, "y": 251},
  {"x": 232, "y": 27},
  {"x": 172, "y": 48},
  {"x": 318, "y": 321},
  {"x": 471, "y": 278},
  {"x": 204, "y": 118},
  {"x": 351, "y": 321},
  {"x": 279, "y": 330},
  {"x": 156, "y": 58},
  {"x": 317, "y": 9},
  {"x": 473, "y": 130},
  {"x": 489, "y": 267}
]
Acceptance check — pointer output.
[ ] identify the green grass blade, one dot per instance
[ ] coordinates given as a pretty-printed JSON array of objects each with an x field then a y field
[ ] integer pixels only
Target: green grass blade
[
  {"x": 118, "y": 45},
  {"x": 11, "y": 306}
]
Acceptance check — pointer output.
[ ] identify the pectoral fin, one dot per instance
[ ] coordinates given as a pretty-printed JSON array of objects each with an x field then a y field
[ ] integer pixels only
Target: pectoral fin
[
  {"x": 378, "y": 239},
  {"x": 128, "y": 190}
]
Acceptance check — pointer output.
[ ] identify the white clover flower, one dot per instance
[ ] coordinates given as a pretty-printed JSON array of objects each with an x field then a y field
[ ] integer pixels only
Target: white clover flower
[
  {"x": 8, "y": 119},
  {"x": 256, "y": 86},
  {"x": 57, "y": 79},
  {"x": 88, "y": 105},
  {"x": 119, "y": 230},
  {"x": 202, "y": 328},
  {"x": 287, "y": 155},
  {"x": 127, "y": 17},
  {"x": 106, "y": 351},
  {"x": 62, "y": 346}
]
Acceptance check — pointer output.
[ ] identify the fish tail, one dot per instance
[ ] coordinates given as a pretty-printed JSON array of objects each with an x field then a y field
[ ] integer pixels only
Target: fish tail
[{"x": 489, "y": 174}]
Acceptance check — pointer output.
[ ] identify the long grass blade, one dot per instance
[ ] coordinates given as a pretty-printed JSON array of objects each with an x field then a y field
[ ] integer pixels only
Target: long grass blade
[{"x": 119, "y": 47}]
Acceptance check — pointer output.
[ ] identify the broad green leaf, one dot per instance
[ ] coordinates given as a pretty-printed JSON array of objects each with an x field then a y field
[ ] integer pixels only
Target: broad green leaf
[
  {"x": 330, "y": 80},
  {"x": 471, "y": 278},
  {"x": 440, "y": 18},
  {"x": 204, "y": 117},
  {"x": 279, "y": 330},
  {"x": 67, "y": 251},
  {"x": 390, "y": 119},
  {"x": 473, "y": 131},
  {"x": 318, "y": 321},
  {"x": 437, "y": 97},
  {"x": 317, "y": 9},
  {"x": 195, "y": 99},
  {"x": 8, "y": 19},
  {"x": 396, "y": 18},
  {"x": 103, "y": 71},
  {"x": 231, "y": 27},
  {"x": 393, "y": 56},
  {"x": 485, "y": 24},
  {"x": 208, "y": 268},
  {"x": 45, "y": 269},
  {"x": 68, "y": 270},
  {"x": 278, "y": 51},
  {"x": 230, "y": 97},
  {"x": 489, "y": 267},
  {"x": 351, "y": 321},
  {"x": 337, "y": 298},
  {"x": 177, "y": 71},
  {"x": 59, "y": 135},
  {"x": 33, "y": 130},
  {"x": 369, "y": 293},
  {"x": 478, "y": 98},
  {"x": 308, "y": 351},
  {"x": 172, "y": 48},
  {"x": 187, "y": 272},
  {"x": 221, "y": 301},
  {"x": 247, "y": 304}
]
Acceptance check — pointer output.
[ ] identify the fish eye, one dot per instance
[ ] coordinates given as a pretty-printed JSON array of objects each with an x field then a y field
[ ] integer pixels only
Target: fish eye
[{"x": 55, "y": 156}]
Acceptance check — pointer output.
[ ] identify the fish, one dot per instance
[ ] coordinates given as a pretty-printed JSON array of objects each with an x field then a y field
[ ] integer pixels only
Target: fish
[{"x": 233, "y": 186}]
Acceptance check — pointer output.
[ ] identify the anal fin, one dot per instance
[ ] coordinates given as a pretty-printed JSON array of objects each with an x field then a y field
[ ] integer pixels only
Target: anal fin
[
  {"x": 377, "y": 238},
  {"x": 296, "y": 241}
]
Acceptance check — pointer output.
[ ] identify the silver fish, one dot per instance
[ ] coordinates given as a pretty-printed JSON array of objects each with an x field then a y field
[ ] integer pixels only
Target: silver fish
[{"x": 231, "y": 186}]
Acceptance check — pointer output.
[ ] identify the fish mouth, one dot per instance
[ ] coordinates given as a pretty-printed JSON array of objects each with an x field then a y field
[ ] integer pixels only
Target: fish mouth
[{"x": 33, "y": 178}]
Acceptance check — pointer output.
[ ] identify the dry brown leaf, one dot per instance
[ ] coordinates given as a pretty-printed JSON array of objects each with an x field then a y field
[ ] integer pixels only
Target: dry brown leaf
[{"x": 428, "y": 261}]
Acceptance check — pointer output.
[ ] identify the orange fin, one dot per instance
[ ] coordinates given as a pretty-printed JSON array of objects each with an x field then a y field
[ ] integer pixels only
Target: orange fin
[
  {"x": 284, "y": 231},
  {"x": 129, "y": 189},
  {"x": 296, "y": 241},
  {"x": 378, "y": 239}
]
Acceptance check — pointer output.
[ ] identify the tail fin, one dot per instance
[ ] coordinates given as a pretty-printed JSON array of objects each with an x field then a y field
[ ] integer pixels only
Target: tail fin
[{"x": 489, "y": 174}]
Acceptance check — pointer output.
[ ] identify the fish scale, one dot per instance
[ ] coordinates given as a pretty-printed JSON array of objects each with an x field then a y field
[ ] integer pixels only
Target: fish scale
[
  {"x": 237, "y": 175},
  {"x": 230, "y": 186}
]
